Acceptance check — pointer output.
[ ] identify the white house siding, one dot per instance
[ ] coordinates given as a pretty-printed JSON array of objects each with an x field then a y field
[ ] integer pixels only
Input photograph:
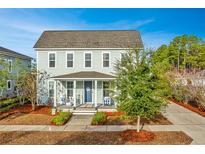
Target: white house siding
[
  {"x": 78, "y": 65},
  {"x": 60, "y": 69}
]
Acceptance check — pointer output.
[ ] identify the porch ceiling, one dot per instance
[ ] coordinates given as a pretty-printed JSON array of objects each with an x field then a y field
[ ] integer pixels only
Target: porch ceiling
[{"x": 85, "y": 75}]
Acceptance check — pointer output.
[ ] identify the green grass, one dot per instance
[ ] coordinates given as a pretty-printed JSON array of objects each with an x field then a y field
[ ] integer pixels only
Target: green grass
[
  {"x": 98, "y": 118},
  {"x": 62, "y": 118}
]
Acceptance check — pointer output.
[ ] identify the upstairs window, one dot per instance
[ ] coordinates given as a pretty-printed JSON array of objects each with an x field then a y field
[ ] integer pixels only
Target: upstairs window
[
  {"x": 106, "y": 59},
  {"x": 52, "y": 60},
  {"x": 87, "y": 59},
  {"x": 69, "y": 59},
  {"x": 10, "y": 66}
]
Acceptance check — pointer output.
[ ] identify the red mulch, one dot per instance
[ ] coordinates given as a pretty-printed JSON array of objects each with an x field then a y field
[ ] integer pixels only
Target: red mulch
[
  {"x": 188, "y": 106},
  {"x": 134, "y": 136},
  {"x": 27, "y": 108},
  {"x": 114, "y": 113}
]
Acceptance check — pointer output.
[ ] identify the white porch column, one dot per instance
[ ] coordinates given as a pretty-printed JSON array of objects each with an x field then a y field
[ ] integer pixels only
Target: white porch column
[
  {"x": 95, "y": 93},
  {"x": 55, "y": 93},
  {"x": 74, "y": 93}
]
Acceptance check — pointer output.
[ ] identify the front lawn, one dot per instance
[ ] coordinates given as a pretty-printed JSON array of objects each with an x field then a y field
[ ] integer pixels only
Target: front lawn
[
  {"x": 88, "y": 138},
  {"x": 118, "y": 118}
]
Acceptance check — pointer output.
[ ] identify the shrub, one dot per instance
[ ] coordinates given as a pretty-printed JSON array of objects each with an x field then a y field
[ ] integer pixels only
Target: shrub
[
  {"x": 99, "y": 118},
  {"x": 62, "y": 118},
  {"x": 7, "y": 102}
]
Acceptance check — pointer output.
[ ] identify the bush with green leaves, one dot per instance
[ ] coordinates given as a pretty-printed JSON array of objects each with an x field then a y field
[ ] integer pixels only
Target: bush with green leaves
[
  {"x": 8, "y": 104},
  {"x": 99, "y": 118},
  {"x": 62, "y": 118}
]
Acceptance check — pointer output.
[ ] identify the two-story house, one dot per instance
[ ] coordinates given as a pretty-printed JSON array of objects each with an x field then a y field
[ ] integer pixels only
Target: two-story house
[
  {"x": 81, "y": 64},
  {"x": 11, "y": 57}
]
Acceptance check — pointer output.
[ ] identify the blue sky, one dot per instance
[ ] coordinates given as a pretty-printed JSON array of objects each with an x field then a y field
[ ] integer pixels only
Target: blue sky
[{"x": 20, "y": 28}]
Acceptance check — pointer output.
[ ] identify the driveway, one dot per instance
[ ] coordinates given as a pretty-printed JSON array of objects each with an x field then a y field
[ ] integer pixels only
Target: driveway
[{"x": 184, "y": 120}]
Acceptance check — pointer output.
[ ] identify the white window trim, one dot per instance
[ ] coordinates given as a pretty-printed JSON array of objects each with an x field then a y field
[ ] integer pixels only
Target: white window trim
[
  {"x": 68, "y": 52},
  {"x": 109, "y": 59},
  {"x": 55, "y": 59},
  {"x": 10, "y": 60},
  {"x": 91, "y": 59},
  {"x": 10, "y": 84}
]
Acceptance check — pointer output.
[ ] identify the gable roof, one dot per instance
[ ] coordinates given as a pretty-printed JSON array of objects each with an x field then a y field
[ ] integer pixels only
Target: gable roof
[
  {"x": 90, "y": 39},
  {"x": 85, "y": 75},
  {"x": 8, "y": 52}
]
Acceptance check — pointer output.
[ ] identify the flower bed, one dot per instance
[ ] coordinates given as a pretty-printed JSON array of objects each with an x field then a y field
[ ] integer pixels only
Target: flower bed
[
  {"x": 190, "y": 107},
  {"x": 61, "y": 119},
  {"x": 119, "y": 118},
  {"x": 134, "y": 136}
]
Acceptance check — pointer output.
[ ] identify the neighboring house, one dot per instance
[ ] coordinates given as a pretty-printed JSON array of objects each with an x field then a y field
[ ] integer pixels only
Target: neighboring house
[
  {"x": 81, "y": 65},
  {"x": 10, "y": 57}
]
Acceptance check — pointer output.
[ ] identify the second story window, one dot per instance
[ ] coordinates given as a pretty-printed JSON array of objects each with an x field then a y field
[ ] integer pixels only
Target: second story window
[
  {"x": 69, "y": 59},
  {"x": 106, "y": 60},
  {"x": 87, "y": 59},
  {"x": 10, "y": 66},
  {"x": 52, "y": 60}
]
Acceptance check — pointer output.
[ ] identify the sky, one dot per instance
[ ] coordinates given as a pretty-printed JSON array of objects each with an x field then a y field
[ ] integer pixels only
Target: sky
[{"x": 21, "y": 28}]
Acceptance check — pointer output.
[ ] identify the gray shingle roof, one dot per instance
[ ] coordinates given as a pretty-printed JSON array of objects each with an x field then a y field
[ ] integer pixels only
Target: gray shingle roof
[
  {"x": 90, "y": 39},
  {"x": 85, "y": 74},
  {"x": 5, "y": 51}
]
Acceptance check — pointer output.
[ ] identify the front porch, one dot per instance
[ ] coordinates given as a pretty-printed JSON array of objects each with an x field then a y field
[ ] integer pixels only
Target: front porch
[{"x": 83, "y": 91}]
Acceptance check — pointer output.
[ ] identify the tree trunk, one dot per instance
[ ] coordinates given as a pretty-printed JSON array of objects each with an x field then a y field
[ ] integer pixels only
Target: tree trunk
[
  {"x": 138, "y": 123},
  {"x": 33, "y": 104}
]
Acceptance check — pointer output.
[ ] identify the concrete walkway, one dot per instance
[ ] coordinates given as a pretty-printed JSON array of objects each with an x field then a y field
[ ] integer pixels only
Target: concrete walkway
[{"x": 183, "y": 120}]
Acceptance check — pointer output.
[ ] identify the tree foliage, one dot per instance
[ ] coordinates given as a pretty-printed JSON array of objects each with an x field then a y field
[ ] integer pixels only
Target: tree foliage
[
  {"x": 184, "y": 53},
  {"x": 139, "y": 89}
]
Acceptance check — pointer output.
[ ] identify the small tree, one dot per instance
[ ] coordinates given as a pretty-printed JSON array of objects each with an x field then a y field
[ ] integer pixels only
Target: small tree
[{"x": 139, "y": 89}]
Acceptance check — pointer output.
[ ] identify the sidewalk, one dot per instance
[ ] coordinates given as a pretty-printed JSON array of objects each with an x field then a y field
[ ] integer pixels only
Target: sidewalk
[{"x": 183, "y": 120}]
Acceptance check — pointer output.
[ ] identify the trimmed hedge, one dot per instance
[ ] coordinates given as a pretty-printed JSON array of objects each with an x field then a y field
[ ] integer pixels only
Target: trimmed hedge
[
  {"x": 99, "y": 118},
  {"x": 62, "y": 118}
]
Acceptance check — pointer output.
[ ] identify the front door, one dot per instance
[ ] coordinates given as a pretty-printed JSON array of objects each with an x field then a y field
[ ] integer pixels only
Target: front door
[{"x": 88, "y": 91}]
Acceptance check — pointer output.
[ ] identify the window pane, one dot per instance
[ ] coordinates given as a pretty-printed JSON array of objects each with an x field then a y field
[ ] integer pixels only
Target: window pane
[
  {"x": 123, "y": 55},
  {"x": 69, "y": 63},
  {"x": 51, "y": 56},
  {"x": 106, "y": 89},
  {"x": 87, "y": 63},
  {"x": 51, "y": 89},
  {"x": 69, "y": 85},
  {"x": 106, "y": 56},
  {"x": 51, "y": 63},
  {"x": 10, "y": 66},
  {"x": 9, "y": 84},
  {"x": 70, "y": 57},
  {"x": 105, "y": 63},
  {"x": 88, "y": 57}
]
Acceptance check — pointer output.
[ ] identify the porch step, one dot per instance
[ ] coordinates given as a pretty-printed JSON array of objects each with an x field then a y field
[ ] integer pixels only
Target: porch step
[{"x": 83, "y": 112}]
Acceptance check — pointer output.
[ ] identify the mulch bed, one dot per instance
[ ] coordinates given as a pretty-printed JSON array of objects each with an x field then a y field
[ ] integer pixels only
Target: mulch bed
[
  {"x": 88, "y": 138},
  {"x": 134, "y": 136},
  {"x": 113, "y": 119},
  {"x": 190, "y": 107},
  {"x": 23, "y": 115}
]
